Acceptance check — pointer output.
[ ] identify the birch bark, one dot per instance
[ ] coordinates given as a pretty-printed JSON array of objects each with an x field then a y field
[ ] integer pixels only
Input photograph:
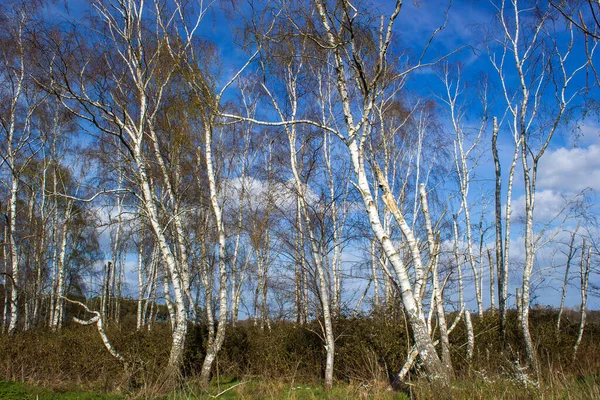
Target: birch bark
[
  {"x": 584, "y": 272},
  {"x": 570, "y": 256}
]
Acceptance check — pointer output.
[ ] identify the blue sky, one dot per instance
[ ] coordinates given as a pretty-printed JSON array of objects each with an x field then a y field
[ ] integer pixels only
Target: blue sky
[{"x": 570, "y": 165}]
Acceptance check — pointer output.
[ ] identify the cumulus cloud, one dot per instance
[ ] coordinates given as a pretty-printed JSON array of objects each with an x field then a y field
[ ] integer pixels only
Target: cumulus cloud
[
  {"x": 585, "y": 134},
  {"x": 571, "y": 170},
  {"x": 548, "y": 205}
]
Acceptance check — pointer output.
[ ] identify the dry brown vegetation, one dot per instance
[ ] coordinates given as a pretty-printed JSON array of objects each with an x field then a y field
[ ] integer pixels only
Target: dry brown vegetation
[{"x": 274, "y": 364}]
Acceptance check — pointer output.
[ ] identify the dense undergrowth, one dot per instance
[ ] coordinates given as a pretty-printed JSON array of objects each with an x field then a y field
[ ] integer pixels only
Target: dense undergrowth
[{"x": 288, "y": 361}]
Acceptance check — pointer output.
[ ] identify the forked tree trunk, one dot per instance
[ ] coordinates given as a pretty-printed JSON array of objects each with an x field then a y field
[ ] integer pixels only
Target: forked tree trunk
[
  {"x": 180, "y": 331},
  {"x": 431, "y": 362},
  {"x": 354, "y": 142}
]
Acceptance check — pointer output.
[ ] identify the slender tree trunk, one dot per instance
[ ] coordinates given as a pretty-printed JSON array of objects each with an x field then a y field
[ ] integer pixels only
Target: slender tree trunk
[
  {"x": 39, "y": 257},
  {"x": 502, "y": 293},
  {"x": 529, "y": 181},
  {"x": 302, "y": 283},
  {"x": 323, "y": 285},
  {"x": 374, "y": 277},
  {"x": 471, "y": 256},
  {"x": 437, "y": 290},
  {"x": 504, "y": 276},
  {"x": 566, "y": 278},
  {"x": 207, "y": 282},
  {"x": 117, "y": 249},
  {"x": 492, "y": 266},
  {"x": 215, "y": 342},
  {"x": 180, "y": 332},
  {"x": 519, "y": 304},
  {"x": 106, "y": 290},
  {"x": 140, "y": 276},
  {"x": 14, "y": 273},
  {"x": 60, "y": 286},
  {"x": 5, "y": 294},
  {"x": 148, "y": 316},
  {"x": 337, "y": 230},
  {"x": 299, "y": 255},
  {"x": 168, "y": 301},
  {"x": 178, "y": 233},
  {"x": 584, "y": 279},
  {"x": 470, "y": 335},
  {"x": 431, "y": 362},
  {"x": 235, "y": 298},
  {"x": 461, "y": 296}
]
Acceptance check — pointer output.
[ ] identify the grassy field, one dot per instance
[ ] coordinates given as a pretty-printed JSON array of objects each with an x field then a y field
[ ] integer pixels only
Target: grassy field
[
  {"x": 287, "y": 363},
  {"x": 231, "y": 388}
]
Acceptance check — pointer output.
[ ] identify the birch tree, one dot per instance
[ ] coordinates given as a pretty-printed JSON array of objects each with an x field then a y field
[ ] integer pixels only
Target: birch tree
[
  {"x": 137, "y": 60},
  {"x": 358, "y": 84},
  {"x": 570, "y": 255},
  {"x": 537, "y": 102},
  {"x": 357, "y": 131},
  {"x": 20, "y": 98},
  {"x": 584, "y": 279},
  {"x": 465, "y": 160}
]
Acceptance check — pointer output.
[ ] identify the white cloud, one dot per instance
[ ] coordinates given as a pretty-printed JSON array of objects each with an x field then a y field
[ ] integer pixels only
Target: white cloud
[
  {"x": 571, "y": 170},
  {"x": 548, "y": 205},
  {"x": 585, "y": 134}
]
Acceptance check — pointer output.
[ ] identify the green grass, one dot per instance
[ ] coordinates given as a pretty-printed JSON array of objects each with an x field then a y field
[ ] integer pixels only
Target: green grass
[
  {"x": 240, "y": 389},
  {"x": 230, "y": 388},
  {"x": 22, "y": 391}
]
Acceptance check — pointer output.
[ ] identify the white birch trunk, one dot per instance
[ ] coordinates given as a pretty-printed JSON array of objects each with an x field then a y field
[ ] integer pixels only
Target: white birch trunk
[
  {"x": 584, "y": 271},
  {"x": 323, "y": 285},
  {"x": 437, "y": 290},
  {"x": 337, "y": 230},
  {"x": 168, "y": 301},
  {"x": 529, "y": 259},
  {"x": 570, "y": 256},
  {"x": 470, "y": 335},
  {"x": 432, "y": 364},
  {"x": 60, "y": 285},
  {"x": 179, "y": 234},
  {"x": 140, "y": 276},
  {"x": 215, "y": 339},
  {"x": 14, "y": 294},
  {"x": 180, "y": 331},
  {"x": 461, "y": 297},
  {"x": 13, "y": 145},
  {"x": 374, "y": 277},
  {"x": 434, "y": 367},
  {"x": 5, "y": 294},
  {"x": 97, "y": 320},
  {"x": 492, "y": 266}
]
